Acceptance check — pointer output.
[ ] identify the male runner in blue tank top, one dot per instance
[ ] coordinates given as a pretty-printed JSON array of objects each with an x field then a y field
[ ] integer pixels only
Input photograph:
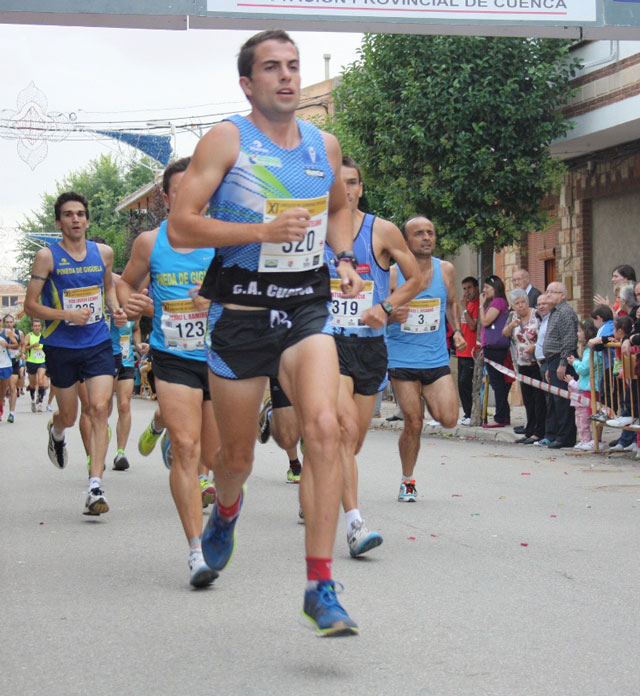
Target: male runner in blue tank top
[
  {"x": 418, "y": 352},
  {"x": 362, "y": 352},
  {"x": 275, "y": 196},
  {"x": 74, "y": 278},
  {"x": 179, "y": 361}
]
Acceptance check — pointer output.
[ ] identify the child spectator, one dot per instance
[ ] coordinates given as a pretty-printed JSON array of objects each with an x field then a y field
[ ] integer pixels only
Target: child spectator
[{"x": 586, "y": 331}]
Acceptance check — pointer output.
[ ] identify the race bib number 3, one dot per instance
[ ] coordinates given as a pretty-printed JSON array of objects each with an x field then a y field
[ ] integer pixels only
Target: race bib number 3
[
  {"x": 424, "y": 316},
  {"x": 183, "y": 326},
  {"x": 308, "y": 253},
  {"x": 84, "y": 298},
  {"x": 347, "y": 311}
]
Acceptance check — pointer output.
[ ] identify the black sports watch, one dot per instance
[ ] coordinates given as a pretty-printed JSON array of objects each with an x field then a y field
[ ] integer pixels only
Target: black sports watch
[
  {"x": 387, "y": 307},
  {"x": 349, "y": 256}
]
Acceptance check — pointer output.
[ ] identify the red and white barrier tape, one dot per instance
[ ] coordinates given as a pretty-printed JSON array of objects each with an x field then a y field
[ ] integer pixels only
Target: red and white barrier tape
[{"x": 564, "y": 393}]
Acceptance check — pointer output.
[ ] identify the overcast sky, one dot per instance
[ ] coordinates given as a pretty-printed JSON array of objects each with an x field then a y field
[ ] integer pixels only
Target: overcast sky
[{"x": 116, "y": 74}]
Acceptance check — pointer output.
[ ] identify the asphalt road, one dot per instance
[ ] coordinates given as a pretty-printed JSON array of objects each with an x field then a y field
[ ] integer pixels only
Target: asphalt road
[{"x": 515, "y": 573}]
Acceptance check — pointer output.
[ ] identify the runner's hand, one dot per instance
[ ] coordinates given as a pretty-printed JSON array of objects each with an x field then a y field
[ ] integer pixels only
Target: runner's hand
[
  {"x": 119, "y": 318},
  {"x": 79, "y": 316},
  {"x": 375, "y": 317},
  {"x": 400, "y": 314},
  {"x": 137, "y": 303},
  {"x": 290, "y": 226},
  {"x": 200, "y": 303},
  {"x": 350, "y": 282},
  {"x": 459, "y": 342}
]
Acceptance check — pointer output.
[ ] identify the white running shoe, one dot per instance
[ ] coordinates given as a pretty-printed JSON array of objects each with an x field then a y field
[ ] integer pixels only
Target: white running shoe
[
  {"x": 620, "y": 421},
  {"x": 361, "y": 540},
  {"x": 96, "y": 503},
  {"x": 464, "y": 421},
  {"x": 201, "y": 574},
  {"x": 57, "y": 451}
]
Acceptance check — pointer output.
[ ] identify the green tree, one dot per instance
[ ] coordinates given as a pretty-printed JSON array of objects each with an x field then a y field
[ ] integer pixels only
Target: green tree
[
  {"x": 104, "y": 183},
  {"x": 458, "y": 129}
]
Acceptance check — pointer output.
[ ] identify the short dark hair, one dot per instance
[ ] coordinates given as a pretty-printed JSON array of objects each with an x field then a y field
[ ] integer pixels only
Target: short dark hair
[
  {"x": 248, "y": 51},
  {"x": 497, "y": 284},
  {"x": 589, "y": 328},
  {"x": 470, "y": 279},
  {"x": 6, "y": 316},
  {"x": 350, "y": 162},
  {"x": 625, "y": 323},
  {"x": 176, "y": 167},
  {"x": 626, "y": 271},
  {"x": 603, "y": 311},
  {"x": 70, "y": 196}
]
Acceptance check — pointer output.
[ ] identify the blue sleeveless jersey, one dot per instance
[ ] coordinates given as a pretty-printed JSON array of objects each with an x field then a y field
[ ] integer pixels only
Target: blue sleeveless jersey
[
  {"x": 263, "y": 172},
  {"x": 369, "y": 270},
  {"x": 421, "y": 350},
  {"x": 122, "y": 342},
  {"x": 177, "y": 327},
  {"x": 75, "y": 284}
]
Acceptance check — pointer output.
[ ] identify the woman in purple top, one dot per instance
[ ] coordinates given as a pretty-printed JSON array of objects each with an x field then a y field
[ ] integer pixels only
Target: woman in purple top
[{"x": 495, "y": 346}]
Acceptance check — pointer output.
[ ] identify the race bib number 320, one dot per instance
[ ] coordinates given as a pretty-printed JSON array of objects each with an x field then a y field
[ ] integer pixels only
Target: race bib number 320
[
  {"x": 308, "y": 253},
  {"x": 347, "y": 311},
  {"x": 424, "y": 316},
  {"x": 183, "y": 326},
  {"x": 89, "y": 297}
]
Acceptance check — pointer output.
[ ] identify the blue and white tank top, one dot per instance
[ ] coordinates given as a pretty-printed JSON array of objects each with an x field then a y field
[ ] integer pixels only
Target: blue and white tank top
[
  {"x": 73, "y": 285},
  {"x": 421, "y": 342},
  {"x": 122, "y": 342},
  {"x": 265, "y": 181},
  {"x": 347, "y": 312},
  {"x": 177, "y": 327}
]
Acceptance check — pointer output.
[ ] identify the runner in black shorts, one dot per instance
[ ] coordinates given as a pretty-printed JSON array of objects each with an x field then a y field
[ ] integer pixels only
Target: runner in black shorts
[
  {"x": 418, "y": 351},
  {"x": 269, "y": 286},
  {"x": 362, "y": 351},
  {"x": 179, "y": 364}
]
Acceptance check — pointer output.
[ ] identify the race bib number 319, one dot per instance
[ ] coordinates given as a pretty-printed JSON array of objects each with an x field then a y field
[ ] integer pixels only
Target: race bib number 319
[
  {"x": 347, "y": 311},
  {"x": 183, "y": 326},
  {"x": 308, "y": 253}
]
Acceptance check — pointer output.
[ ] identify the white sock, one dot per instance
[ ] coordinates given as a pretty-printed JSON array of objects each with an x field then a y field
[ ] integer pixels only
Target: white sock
[
  {"x": 95, "y": 482},
  {"x": 352, "y": 516},
  {"x": 58, "y": 437}
]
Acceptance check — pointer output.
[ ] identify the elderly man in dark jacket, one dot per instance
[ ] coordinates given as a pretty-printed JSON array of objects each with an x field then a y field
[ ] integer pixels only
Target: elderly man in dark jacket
[{"x": 561, "y": 341}]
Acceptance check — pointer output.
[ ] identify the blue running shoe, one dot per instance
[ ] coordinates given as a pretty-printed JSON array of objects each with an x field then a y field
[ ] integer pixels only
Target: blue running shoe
[
  {"x": 322, "y": 608},
  {"x": 219, "y": 538},
  {"x": 167, "y": 452}
]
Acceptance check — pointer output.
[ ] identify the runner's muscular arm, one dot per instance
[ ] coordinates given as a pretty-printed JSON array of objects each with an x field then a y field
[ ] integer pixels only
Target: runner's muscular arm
[
  {"x": 393, "y": 245},
  {"x": 131, "y": 288},
  {"x": 453, "y": 309},
  {"x": 401, "y": 312},
  {"x": 214, "y": 156},
  {"x": 111, "y": 299},
  {"x": 339, "y": 226},
  {"x": 41, "y": 270}
]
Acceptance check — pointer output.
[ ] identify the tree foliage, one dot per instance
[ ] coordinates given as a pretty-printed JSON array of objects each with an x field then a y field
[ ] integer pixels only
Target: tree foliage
[
  {"x": 104, "y": 183},
  {"x": 457, "y": 128}
]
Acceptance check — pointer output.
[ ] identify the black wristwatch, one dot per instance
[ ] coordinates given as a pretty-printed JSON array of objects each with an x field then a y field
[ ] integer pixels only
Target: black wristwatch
[
  {"x": 387, "y": 307},
  {"x": 348, "y": 256}
]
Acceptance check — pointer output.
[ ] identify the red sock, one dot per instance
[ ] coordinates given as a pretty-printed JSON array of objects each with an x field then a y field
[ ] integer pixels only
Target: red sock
[
  {"x": 229, "y": 512},
  {"x": 318, "y": 568}
]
